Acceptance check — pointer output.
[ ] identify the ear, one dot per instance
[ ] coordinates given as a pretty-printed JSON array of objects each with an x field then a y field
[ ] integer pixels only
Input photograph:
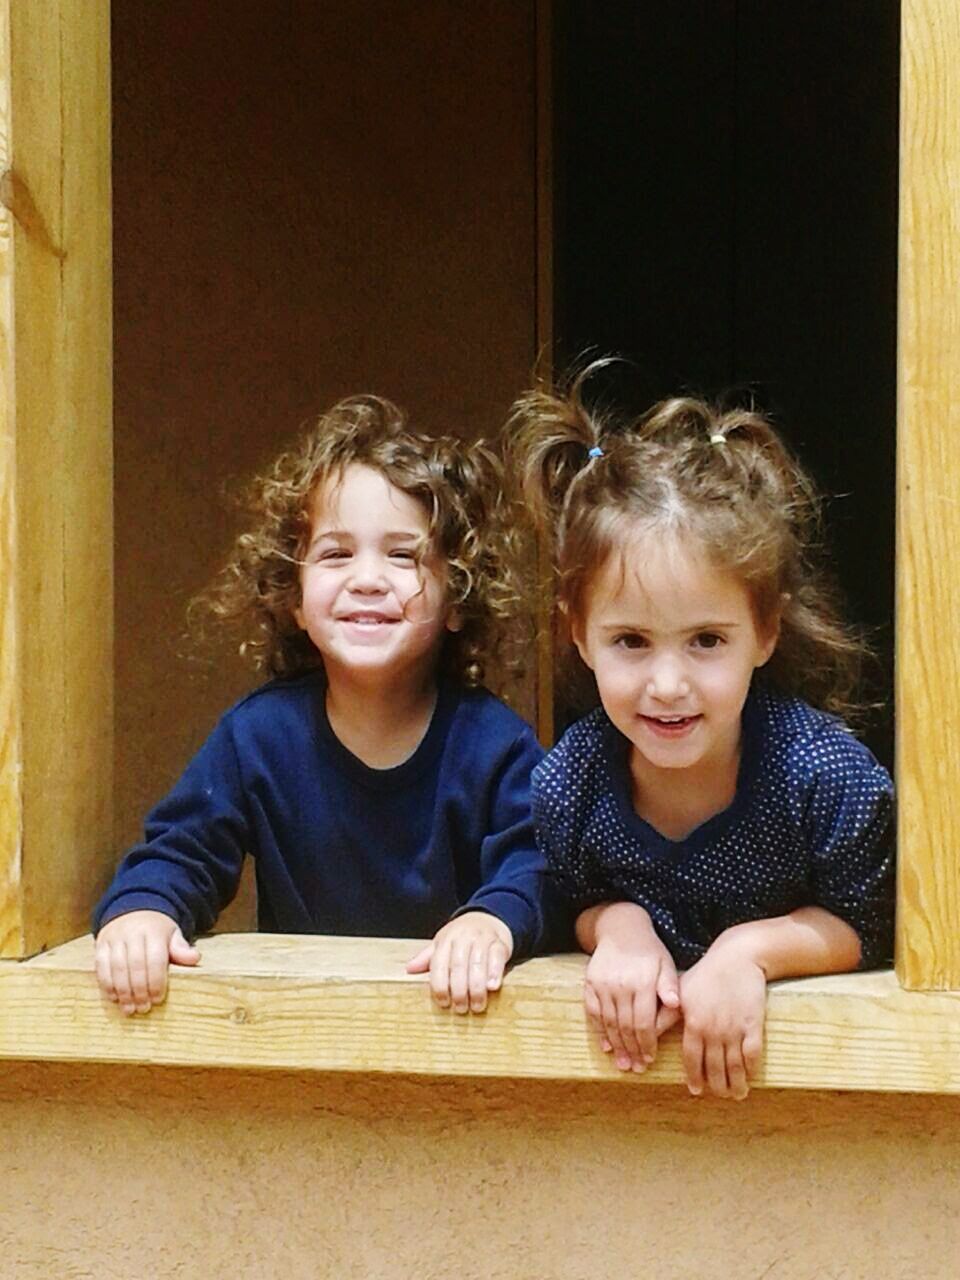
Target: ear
[
  {"x": 770, "y": 636},
  {"x": 454, "y": 619},
  {"x": 579, "y": 637},
  {"x": 298, "y": 615}
]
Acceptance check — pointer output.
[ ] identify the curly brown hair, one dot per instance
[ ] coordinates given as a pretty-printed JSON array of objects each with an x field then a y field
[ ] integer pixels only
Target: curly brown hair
[
  {"x": 458, "y": 484},
  {"x": 724, "y": 478}
]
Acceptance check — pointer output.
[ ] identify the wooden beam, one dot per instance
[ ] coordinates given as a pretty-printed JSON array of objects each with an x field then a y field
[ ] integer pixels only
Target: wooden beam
[
  {"x": 56, "y": 475},
  {"x": 345, "y": 1004},
  {"x": 928, "y": 488}
]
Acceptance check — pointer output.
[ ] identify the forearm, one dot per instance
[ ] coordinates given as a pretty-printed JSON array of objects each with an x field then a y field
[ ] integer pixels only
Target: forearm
[
  {"x": 188, "y": 864},
  {"x": 806, "y": 942},
  {"x": 618, "y": 921},
  {"x": 118, "y": 903},
  {"x": 512, "y": 893},
  {"x": 512, "y": 866},
  {"x": 171, "y": 877}
]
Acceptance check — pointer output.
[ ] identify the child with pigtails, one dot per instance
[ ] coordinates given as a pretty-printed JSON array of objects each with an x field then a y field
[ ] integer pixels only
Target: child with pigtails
[
  {"x": 378, "y": 787},
  {"x": 714, "y": 824}
]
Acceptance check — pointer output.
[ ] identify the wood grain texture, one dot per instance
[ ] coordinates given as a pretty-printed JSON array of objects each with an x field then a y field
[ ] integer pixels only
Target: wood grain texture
[
  {"x": 346, "y": 1005},
  {"x": 10, "y": 734},
  {"x": 58, "y": 533},
  {"x": 928, "y": 486}
]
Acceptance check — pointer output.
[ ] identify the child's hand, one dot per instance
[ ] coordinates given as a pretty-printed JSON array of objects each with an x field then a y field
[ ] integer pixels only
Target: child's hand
[
  {"x": 631, "y": 992},
  {"x": 466, "y": 960},
  {"x": 132, "y": 955},
  {"x": 724, "y": 999}
]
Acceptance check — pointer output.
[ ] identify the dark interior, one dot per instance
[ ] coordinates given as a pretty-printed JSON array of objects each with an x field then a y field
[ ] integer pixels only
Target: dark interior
[{"x": 726, "y": 218}]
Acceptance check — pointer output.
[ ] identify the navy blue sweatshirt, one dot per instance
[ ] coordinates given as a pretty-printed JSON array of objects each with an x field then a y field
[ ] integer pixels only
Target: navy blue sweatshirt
[
  {"x": 339, "y": 847},
  {"x": 811, "y": 825}
]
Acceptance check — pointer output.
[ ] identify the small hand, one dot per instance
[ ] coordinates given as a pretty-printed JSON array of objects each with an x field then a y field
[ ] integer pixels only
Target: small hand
[
  {"x": 631, "y": 992},
  {"x": 132, "y": 954},
  {"x": 466, "y": 961},
  {"x": 724, "y": 1004}
]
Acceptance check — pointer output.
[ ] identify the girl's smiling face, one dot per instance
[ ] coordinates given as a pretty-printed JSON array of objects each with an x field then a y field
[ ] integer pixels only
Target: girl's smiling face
[
  {"x": 373, "y": 593},
  {"x": 673, "y": 644}
]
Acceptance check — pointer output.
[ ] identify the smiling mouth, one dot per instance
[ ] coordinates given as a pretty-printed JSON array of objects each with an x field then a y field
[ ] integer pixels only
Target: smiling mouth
[
  {"x": 670, "y": 724},
  {"x": 367, "y": 619}
]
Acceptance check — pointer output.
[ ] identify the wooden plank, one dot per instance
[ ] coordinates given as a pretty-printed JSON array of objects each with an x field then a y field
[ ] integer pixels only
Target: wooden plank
[
  {"x": 928, "y": 487},
  {"x": 10, "y": 735},
  {"x": 57, "y": 675},
  {"x": 345, "y": 1004}
]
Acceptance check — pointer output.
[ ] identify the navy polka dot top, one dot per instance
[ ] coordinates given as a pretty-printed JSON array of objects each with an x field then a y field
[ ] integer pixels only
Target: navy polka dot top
[{"x": 810, "y": 825}]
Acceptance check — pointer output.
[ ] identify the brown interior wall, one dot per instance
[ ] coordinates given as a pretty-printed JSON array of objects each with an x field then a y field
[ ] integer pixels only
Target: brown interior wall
[
  {"x": 159, "y": 1172},
  {"x": 311, "y": 200}
]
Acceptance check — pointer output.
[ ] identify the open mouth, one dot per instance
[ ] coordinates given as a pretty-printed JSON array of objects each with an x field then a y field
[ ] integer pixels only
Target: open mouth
[
  {"x": 670, "y": 726},
  {"x": 367, "y": 619}
]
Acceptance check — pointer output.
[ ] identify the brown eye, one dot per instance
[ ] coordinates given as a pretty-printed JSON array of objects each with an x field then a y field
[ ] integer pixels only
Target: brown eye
[{"x": 708, "y": 640}]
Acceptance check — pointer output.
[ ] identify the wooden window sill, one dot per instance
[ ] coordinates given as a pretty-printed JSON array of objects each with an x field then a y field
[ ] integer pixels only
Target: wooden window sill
[{"x": 261, "y": 1001}]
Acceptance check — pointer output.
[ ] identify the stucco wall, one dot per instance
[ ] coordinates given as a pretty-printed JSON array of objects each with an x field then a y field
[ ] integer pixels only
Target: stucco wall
[
  {"x": 310, "y": 200},
  {"x": 128, "y": 1173}
]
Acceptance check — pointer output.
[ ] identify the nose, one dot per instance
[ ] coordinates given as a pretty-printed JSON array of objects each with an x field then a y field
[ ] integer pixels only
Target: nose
[
  {"x": 367, "y": 573},
  {"x": 667, "y": 679}
]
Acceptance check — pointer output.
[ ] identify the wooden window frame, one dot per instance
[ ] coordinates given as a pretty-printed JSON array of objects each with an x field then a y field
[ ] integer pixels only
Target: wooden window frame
[
  {"x": 56, "y": 630},
  {"x": 56, "y": 470},
  {"x": 267, "y": 1001},
  {"x": 927, "y": 682}
]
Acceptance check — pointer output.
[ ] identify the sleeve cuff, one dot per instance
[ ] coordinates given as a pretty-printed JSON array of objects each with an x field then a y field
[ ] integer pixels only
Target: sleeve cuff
[
  {"x": 138, "y": 902},
  {"x": 515, "y": 913}
]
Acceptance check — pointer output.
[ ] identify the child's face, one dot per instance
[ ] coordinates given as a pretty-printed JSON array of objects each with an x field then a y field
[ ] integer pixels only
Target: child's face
[
  {"x": 373, "y": 595},
  {"x": 673, "y": 644}
]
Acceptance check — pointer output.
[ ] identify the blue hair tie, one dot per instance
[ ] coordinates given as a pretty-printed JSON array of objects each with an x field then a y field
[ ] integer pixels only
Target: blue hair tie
[{"x": 595, "y": 452}]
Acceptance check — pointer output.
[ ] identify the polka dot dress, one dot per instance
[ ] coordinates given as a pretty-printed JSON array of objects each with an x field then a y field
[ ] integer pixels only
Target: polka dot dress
[{"x": 810, "y": 825}]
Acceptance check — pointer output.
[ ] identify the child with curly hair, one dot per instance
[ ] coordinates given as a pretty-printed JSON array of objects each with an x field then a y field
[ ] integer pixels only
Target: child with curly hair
[
  {"x": 714, "y": 815},
  {"x": 378, "y": 787}
]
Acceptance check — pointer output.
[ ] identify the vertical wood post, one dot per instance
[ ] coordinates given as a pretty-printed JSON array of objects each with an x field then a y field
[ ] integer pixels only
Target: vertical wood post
[
  {"x": 928, "y": 499},
  {"x": 56, "y": 472}
]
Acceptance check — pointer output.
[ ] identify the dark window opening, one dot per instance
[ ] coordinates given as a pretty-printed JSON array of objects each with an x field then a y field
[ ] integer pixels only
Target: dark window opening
[{"x": 726, "y": 218}]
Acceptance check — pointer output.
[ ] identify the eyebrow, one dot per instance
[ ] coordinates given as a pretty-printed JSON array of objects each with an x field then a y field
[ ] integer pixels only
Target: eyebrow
[
  {"x": 393, "y": 535},
  {"x": 699, "y": 626}
]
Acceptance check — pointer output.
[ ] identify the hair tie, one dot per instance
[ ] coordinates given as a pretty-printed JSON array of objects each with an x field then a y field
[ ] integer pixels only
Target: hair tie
[
  {"x": 717, "y": 438},
  {"x": 595, "y": 452}
]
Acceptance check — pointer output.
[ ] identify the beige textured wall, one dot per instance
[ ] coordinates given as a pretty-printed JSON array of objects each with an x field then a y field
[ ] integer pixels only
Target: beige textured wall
[
  {"x": 133, "y": 1173},
  {"x": 310, "y": 200}
]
